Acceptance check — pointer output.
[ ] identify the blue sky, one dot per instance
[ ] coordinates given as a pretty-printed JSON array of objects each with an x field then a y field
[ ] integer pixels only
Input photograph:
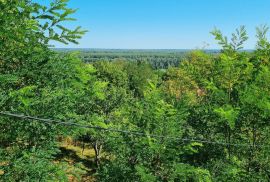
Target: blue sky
[{"x": 164, "y": 24}]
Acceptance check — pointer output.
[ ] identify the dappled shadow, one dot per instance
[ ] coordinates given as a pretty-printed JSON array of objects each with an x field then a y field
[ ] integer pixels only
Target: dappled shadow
[{"x": 71, "y": 154}]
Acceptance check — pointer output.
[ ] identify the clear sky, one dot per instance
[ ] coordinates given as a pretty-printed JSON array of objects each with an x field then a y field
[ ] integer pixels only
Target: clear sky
[{"x": 164, "y": 24}]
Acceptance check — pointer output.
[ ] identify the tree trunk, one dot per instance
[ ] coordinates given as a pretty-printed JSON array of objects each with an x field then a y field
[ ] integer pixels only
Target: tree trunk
[{"x": 97, "y": 147}]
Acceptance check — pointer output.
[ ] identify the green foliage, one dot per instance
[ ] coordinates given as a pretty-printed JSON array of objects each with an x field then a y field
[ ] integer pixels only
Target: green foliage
[
  {"x": 37, "y": 81},
  {"x": 185, "y": 172},
  {"x": 144, "y": 174},
  {"x": 229, "y": 114},
  {"x": 204, "y": 120},
  {"x": 34, "y": 165},
  {"x": 236, "y": 42}
]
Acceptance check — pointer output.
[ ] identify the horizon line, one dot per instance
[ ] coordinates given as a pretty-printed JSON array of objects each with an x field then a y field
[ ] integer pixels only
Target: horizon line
[{"x": 217, "y": 49}]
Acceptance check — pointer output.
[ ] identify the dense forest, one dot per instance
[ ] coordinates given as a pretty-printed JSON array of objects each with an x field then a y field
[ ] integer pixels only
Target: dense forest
[
  {"x": 158, "y": 59},
  {"x": 203, "y": 118}
]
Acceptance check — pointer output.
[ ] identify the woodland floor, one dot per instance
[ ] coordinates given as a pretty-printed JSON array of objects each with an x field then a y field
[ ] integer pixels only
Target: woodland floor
[{"x": 81, "y": 166}]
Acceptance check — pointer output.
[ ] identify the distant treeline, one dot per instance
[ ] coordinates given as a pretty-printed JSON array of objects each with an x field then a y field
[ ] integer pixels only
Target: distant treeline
[{"x": 158, "y": 59}]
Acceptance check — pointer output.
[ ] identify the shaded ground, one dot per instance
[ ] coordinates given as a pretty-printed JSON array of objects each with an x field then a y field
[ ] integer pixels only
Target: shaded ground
[{"x": 81, "y": 166}]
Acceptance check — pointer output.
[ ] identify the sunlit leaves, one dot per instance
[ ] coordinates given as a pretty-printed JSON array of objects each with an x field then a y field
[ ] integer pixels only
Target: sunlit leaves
[
  {"x": 228, "y": 114},
  {"x": 237, "y": 40},
  {"x": 178, "y": 84}
]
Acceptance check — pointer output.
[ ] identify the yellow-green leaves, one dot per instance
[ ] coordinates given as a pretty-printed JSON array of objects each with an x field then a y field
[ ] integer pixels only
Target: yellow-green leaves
[
  {"x": 228, "y": 114},
  {"x": 192, "y": 148},
  {"x": 100, "y": 90},
  {"x": 25, "y": 96},
  {"x": 179, "y": 84}
]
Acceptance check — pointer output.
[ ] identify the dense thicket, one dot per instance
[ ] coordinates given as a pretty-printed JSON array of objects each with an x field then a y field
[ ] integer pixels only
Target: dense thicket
[{"x": 211, "y": 111}]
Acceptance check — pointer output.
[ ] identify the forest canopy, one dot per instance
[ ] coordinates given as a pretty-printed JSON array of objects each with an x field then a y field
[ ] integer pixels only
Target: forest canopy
[{"x": 204, "y": 118}]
